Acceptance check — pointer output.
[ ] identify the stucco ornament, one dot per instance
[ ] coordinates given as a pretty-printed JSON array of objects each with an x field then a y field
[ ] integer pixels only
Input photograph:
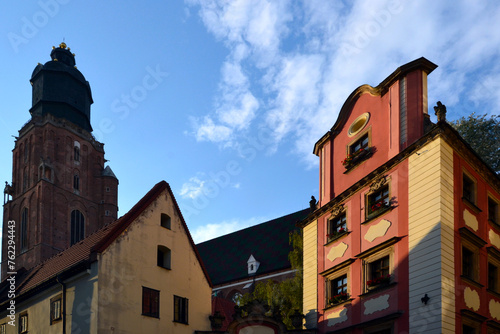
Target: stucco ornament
[
  {"x": 494, "y": 238},
  {"x": 472, "y": 299},
  {"x": 378, "y": 230},
  {"x": 470, "y": 220},
  {"x": 337, "y": 251},
  {"x": 378, "y": 183},
  {"x": 376, "y": 304},
  {"x": 495, "y": 309},
  {"x": 337, "y": 317}
]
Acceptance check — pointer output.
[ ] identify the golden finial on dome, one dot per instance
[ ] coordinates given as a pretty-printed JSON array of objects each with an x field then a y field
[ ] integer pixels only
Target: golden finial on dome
[
  {"x": 62, "y": 45},
  {"x": 55, "y": 59},
  {"x": 73, "y": 54},
  {"x": 69, "y": 49},
  {"x": 53, "y": 47},
  {"x": 75, "y": 67}
]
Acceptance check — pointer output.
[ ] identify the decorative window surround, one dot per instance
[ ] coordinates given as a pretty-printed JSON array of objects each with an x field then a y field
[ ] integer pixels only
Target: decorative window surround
[{"x": 470, "y": 246}]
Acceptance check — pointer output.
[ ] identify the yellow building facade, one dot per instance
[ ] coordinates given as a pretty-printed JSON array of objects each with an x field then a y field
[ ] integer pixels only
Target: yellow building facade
[{"x": 140, "y": 274}]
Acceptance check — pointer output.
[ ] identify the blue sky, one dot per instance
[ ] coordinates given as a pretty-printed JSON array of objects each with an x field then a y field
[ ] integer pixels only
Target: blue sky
[{"x": 225, "y": 99}]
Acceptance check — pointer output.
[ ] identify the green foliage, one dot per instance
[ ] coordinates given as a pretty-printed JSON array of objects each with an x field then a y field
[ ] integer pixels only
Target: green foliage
[
  {"x": 283, "y": 297},
  {"x": 483, "y": 135}
]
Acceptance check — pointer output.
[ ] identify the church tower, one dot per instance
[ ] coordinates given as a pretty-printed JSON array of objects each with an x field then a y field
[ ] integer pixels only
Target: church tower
[{"x": 61, "y": 190}]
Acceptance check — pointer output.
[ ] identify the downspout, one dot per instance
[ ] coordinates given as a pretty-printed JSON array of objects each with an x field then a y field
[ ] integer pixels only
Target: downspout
[{"x": 63, "y": 306}]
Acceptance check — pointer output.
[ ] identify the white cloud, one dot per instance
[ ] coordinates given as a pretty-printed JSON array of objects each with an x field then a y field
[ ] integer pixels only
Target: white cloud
[
  {"x": 211, "y": 231},
  {"x": 193, "y": 188},
  {"x": 209, "y": 131},
  {"x": 304, "y": 59}
]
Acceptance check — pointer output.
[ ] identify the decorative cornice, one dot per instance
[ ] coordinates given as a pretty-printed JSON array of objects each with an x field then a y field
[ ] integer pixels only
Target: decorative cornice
[
  {"x": 337, "y": 210},
  {"x": 337, "y": 267},
  {"x": 378, "y": 183}
]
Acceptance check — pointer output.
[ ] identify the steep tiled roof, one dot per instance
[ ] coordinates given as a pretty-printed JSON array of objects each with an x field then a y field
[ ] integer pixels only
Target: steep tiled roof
[
  {"x": 226, "y": 257},
  {"x": 80, "y": 255}
]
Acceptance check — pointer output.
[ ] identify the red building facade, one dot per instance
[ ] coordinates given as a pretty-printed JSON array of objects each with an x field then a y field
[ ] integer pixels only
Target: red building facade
[
  {"x": 61, "y": 190},
  {"x": 394, "y": 241}
]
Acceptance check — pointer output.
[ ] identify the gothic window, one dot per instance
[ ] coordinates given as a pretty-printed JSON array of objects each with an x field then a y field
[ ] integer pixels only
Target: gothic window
[
  {"x": 26, "y": 152},
  {"x": 76, "y": 153},
  {"x": 76, "y": 182},
  {"x": 77, "y": 226},
  {"x": 23, "y": 243}
]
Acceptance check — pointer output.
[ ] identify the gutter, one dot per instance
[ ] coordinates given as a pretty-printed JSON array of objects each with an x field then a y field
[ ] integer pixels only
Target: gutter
[{"x": 63, "y": 302}]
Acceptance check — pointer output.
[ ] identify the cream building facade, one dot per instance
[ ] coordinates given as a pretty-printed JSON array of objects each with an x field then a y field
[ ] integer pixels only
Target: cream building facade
[{"x": 139, "y": 274}]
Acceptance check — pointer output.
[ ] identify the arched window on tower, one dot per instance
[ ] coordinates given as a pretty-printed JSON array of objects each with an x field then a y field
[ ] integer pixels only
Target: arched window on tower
[
  {"x": 76, "y": 151},
  {"x": 76, "y": 182},
  {"x": 77, "y": 226},
  {"x": 23, "y": 233}
]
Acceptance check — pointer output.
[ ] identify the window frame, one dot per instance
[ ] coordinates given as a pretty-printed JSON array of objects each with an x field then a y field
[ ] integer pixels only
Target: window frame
[
  {"x": 3, "y": 328},
  {"x": 472, "y": 243},
  {"x": 23, "y": 323},
  {"x": 181, "y": 310},
  {"x": 368, "y": 263},
  {"x": 336, "y": 225},
  {"x": 379, "y": 186},
  {"x": 493, "y": 260},
  {"x": 165, "y": 255},
  {"x": 23, "y": 233},
  {"x": 355, "y": 156},
  {"x": 76, "y": 182},
  {"x": 77, "y": 226},
  {"x": 493, "y": 210},
  {"x": 166, "y": 221},
  {"x": 329, "y": 281},
  {"x": 53, "y": 303},
  {"x": 471, "y": 197},
  {"x": 150, "y": 306}
]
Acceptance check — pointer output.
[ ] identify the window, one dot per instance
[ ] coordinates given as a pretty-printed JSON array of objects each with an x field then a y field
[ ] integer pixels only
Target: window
[
  {"x": 336, "y": 290},
  {"x": 55, "y": 309},
  {"x": 165, "y": 221},
  {"x": 150, "y": 302},
  {"x": 26, "y": 151},
  {"x": 493, "y": 273},
  {"x": 3, "y": 329},
  {"x": 378, "y": 267},
  {"x": 470, "y": 246},
  {"x": 23, "y": 323},
  {"x": 492, "y": 277},
  {"x": 77, "y": 226},
  {"x": 336, "y": 226},
  {"x": 76, "y": 182},
  {"x": 108, "y": 189},
  {"x": 181, "y": 310},
  {"x": 468, "y": 263},
  {"x": 107, "y": 213},
  {"x": 468, "y": 189},
  {"x": 76, "y": 153},
  {"x": 164, "y": 255},
  {"x": 23, "y": 242},
  {"x": 493, "y": 211},
  {"x": 377, "y": 202},
  {"x": 358, "y": 145}
]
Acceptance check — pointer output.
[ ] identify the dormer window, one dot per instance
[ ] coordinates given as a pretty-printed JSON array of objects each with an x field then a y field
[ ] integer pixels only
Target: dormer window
[{"x": 253, "y": 265}]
